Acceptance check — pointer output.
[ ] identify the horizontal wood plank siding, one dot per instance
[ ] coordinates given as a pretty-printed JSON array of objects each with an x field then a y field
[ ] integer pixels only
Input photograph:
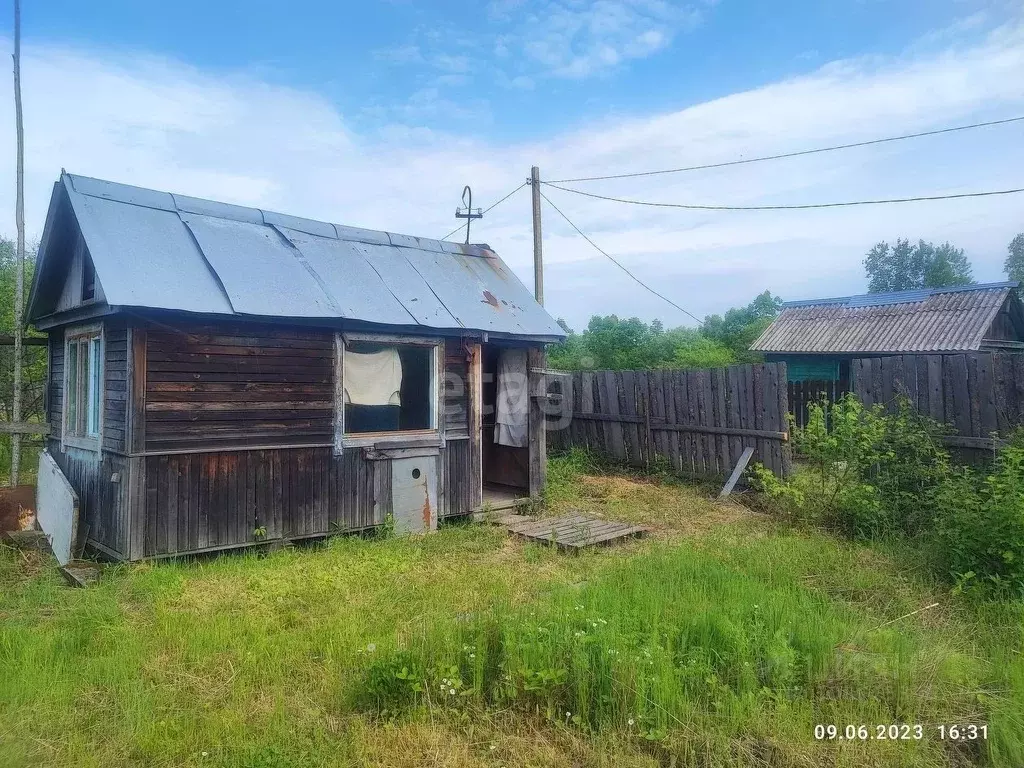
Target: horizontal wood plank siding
[
  {"x": 55, "y": 402},
  {"x": 115, "y": 384},
  {"x": 456, "y": 384},
  {"x": 232, "y": 386}
]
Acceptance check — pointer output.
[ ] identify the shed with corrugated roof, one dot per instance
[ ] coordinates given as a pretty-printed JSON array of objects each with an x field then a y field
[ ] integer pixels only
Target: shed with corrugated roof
[
  {"x": 818, "y": 337},
  {"x": 221, "y": 376}
]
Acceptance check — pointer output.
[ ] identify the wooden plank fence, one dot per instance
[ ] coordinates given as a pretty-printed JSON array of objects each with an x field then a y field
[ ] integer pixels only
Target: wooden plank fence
[
  {"x": 979, "y": 395},
  {"x": 804, "y": 393},
  {"x": 699, "y": 421}
]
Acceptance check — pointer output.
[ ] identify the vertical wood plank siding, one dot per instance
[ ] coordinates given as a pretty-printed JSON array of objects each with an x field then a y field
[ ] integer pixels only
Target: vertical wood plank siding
[
  {"x": 457, "y": 479},
  {"x": 635, "y": 417},
  {"x": 978, "y": 395},
  {"x": 103, "y": 502},
  {"x": 206, "y": 501}
]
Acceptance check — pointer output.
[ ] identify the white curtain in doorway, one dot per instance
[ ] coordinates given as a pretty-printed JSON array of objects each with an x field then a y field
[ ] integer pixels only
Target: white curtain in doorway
[{"x": 513, "y": 403}]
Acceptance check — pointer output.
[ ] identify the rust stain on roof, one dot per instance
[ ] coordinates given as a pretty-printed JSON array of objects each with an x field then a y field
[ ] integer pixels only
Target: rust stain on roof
[{"x": 491, "y": 299}]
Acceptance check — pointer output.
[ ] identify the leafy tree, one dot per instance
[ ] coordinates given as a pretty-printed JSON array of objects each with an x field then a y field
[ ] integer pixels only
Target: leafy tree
[
  {"x": 614, "y": 343},
  {"x": 904, "y": 267},
  {"x": 1014, "y": 264},
  {"x": 34, "y": 360},
  {"x": 741, "y": 326}
]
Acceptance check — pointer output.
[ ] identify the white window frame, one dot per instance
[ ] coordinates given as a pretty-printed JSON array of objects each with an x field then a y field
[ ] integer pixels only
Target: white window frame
[
  {"x": 73, "y": 437},
  {"x": 433, "y": 435}
]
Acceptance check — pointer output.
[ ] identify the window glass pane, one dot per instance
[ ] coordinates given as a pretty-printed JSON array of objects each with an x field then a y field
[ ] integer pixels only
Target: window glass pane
[
  {"x": 388, "y": 387},
  {"x": 71, "y": 394},
  {"x": 83, "y": 386},
  {"x": 95, "y": 388}
]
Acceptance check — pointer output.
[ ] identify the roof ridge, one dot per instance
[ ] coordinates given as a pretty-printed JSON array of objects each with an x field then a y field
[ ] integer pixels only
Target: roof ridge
[
  {"x": 130, "y": 194},
  {"x": 902, "y": 297}
]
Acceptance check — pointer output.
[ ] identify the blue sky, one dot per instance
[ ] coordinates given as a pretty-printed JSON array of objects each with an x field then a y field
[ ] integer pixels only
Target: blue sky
[
  {"x": 376, "y": 113},
  {"x": 521, "y": 68}
]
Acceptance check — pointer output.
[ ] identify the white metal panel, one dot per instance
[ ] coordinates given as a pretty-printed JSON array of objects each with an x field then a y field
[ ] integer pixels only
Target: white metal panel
[
  {"x": 56, "y": 508},
  {"x": 414, "y": 494}
]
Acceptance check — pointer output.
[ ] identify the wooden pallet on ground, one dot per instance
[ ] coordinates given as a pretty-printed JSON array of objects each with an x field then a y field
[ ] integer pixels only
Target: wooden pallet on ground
[{"x": 574, "y": 532}]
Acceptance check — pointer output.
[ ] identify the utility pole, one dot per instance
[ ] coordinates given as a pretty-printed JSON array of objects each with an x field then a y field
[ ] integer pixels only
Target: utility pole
[
  {"x": 19, "y": 263},
  {"x": 538, "y": 245}
]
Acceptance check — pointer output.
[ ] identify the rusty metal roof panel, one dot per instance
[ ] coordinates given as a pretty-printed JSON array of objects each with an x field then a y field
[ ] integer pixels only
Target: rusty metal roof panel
[
  {"x": 927, "y": 320},
  {"x": 156, "y": 250}
]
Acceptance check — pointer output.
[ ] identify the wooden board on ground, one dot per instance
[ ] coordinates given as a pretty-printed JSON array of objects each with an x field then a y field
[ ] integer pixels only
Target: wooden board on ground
[{"x": 575, "y": 531}]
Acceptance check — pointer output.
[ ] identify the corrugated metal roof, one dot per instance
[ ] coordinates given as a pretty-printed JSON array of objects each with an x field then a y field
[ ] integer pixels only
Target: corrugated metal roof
[
  {"x": 927, "y": 320},
  {"x": 156, "y": 250}
]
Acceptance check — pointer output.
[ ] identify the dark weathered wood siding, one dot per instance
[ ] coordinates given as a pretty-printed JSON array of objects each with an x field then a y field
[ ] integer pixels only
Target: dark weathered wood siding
[
  {"x": 1008, "y": 322},
  {"x": 458, "y": 482},
  {"x": 205, "y": 501},
  {"x": 698, "y": 420},
  {"x": 238, "y": 386},
  {"x": 55, "y": 401},
  {"x": 221, "y": 436},
  {"x": 102, "y": 487},
  {"x": 456, "y": 382},
  {"x": 115, "y": 384}
]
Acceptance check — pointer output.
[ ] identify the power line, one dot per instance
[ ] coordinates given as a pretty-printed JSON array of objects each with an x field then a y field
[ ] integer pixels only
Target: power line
[
  {"x": 495, "y": 205},
  {"x": 615, "y": 262},
  {"x": 801, "y": 207},
  {"x": 792, "y": 154}
]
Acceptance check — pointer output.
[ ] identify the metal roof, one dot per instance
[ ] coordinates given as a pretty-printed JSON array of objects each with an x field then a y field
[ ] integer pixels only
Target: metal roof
[
  {"x": 927, "y": 320},
  {"x": 156, "y": 250}
]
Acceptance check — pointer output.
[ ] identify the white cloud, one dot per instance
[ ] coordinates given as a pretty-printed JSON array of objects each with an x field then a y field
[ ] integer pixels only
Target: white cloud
[
  {"x": 157, "y": 123},
  {"x": 573, "y": 40}
]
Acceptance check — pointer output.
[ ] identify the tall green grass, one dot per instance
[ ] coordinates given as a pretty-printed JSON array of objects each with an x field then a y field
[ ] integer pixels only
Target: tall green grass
[
  {"x": 725, "y": 650},
  {"x": 680, "y": 648}
]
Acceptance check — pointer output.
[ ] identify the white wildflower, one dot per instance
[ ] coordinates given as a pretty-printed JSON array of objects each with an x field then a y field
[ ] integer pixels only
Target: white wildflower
[
  {"x": 371, "y": 647},
  {"x": 631, "y": 721}
]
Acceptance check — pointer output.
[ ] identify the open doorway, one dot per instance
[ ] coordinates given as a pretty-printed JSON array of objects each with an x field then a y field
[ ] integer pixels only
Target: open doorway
[{"x": 506, "y": 454}]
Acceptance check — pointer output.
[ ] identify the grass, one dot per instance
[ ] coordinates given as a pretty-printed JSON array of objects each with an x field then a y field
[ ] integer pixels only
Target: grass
[{"x": 724, "y": 638}]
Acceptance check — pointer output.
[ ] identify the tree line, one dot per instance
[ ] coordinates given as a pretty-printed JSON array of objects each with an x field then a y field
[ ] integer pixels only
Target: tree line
[{"x": 611, "y": 342}]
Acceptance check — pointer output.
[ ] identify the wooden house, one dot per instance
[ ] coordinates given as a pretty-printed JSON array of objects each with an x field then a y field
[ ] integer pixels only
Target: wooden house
[
  {"x": 221, "y": 376},
  {"x": 817, "y": 338}
]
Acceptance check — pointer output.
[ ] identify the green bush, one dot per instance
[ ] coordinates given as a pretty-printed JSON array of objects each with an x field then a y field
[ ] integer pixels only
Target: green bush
[
  {"x": 871, "y": 474},
  {"x": 865, "y": 472},
  {"x": 980, "y": 524}
]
